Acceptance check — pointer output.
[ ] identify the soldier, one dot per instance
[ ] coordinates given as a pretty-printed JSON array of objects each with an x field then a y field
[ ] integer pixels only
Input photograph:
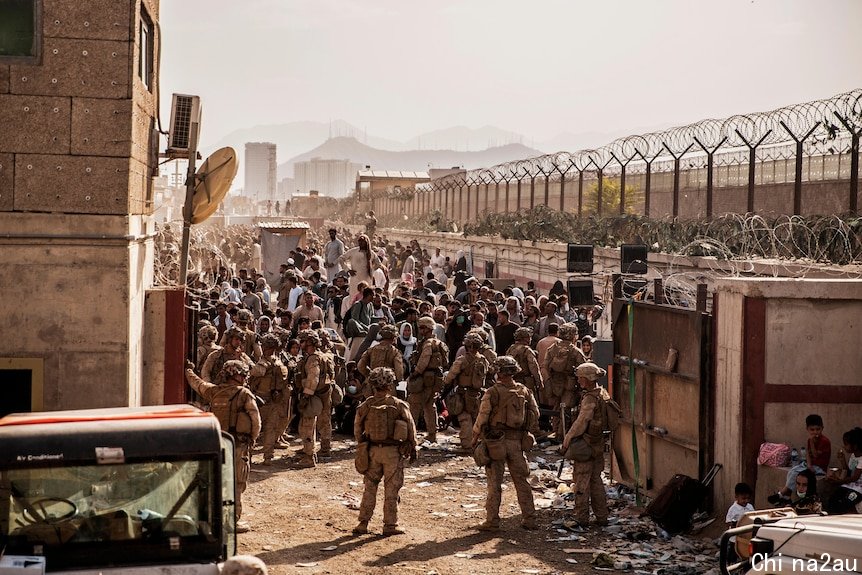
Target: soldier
[
  {"x": 507, "y": 414},
  {"x": 590, "y": 424},
  {"x": 561, "y": 389},
  {"x": 206, "y": 345},
  {"x": 269, "y": 381},
  {"x": 235, "y": 407},
  {"x": 529, "y": 373},
  {"x": 489, "y": 354},
  {"x": 470, "y": 370},
  {"x": 426, "y": 381},
  {"x": 315, "y": 397},
  {"x": 245, "y": 319},
  {"x": 328, "y": 369},
  {"x": 386, "y": 436},
  {"x": 384, "y": 354},
  {"x": 234, "y": 339}
]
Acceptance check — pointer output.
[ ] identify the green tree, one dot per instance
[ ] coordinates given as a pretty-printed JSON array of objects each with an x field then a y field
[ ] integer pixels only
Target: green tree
[{"x": 611, "y": 198}]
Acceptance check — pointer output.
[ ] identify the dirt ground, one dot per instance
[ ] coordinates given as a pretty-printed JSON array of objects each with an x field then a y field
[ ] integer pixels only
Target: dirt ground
[{"x": 301, "y": 522}]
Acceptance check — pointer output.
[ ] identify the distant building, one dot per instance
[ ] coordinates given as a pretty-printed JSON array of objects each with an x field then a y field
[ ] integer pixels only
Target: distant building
[
  {"x": 333, "y": 178},
  {"x": 260, "y": 171},
  {"x": 286, "y": 187}
]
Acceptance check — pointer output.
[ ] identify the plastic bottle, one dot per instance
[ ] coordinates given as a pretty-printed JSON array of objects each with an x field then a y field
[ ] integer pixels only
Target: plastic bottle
[
  {"x": 802, "y": 455},
  {"x": 794, "y": 456}
]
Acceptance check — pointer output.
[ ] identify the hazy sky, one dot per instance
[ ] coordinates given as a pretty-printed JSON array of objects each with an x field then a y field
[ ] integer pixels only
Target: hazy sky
[{"x": 538, "y": 67}]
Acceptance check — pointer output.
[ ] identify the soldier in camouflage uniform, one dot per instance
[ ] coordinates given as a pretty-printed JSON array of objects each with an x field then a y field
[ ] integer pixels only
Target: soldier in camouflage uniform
[
  {"x": 468, "y": 372},
  {"x": 233, "y": 348},
  {"x": 489, "y": 354},
  {"x": 384, "y": 354},
  {"x": 244, "y": 321},
  {"x": 386, "y": 434},
  {"x": 315, "y": 396},
  {"x": 269, "y": 382},
  {"x": 529, "y": 373},
  {"x": 207, "y": 335},
  {"x": 561, "y": 388},
  {"x": 426, "y": 381},
  {"x": 508, "y": 412},
  {"x": 590, "y": 424},
  {"x": 236, "y": 409},
  {"x": 328, "y": 369}
]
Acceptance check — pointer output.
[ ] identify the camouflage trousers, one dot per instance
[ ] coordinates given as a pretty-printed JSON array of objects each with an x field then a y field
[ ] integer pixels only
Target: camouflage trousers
[
  {"x": 272, "y": 416},
  {"x": 310, "y": 427},
  {"x": 519, "y": 470},
  {"x": 241, "y": 467},
  {"x": 560, "y": 391},
  {"x": 384, "y": 462},
  {"x": 589, "y": 490},
  {"x": 423, "y": 402}
]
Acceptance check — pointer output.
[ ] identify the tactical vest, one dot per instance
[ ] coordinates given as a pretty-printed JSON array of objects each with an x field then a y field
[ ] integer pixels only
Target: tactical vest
[
  {"x": 509, "y": 407},
  {"x": 520, "y": 352},
  {"x": 382, "y": 356},
  {"x": 223, "y": 357},
  {"x": 384, "y": 424},
  {"x": 473, "y": 371},
  {"x": 225, "y": 406},
  {"x": 561, "y": 361},
  {"x": 300, "y": 372},
  {"x": 439, "y": 353}
]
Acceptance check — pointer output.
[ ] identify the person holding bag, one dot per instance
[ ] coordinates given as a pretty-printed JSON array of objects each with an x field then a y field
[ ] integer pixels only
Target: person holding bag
[{"x": 584, "y": 443}]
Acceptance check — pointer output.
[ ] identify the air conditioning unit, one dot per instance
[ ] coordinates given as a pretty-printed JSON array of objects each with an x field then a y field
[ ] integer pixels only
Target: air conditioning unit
[{"x": 185, "y": 110}]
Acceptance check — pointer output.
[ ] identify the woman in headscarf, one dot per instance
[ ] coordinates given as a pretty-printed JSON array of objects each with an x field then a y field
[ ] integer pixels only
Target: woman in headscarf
[
  {"x": 513, "y": 306},
  {"x": 363, "y": 261},
  {"x": 406, "y": 343}
]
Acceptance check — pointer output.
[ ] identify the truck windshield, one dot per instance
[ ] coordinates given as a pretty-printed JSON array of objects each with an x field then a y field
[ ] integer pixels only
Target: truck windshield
[{"x": 131, "y": 513}]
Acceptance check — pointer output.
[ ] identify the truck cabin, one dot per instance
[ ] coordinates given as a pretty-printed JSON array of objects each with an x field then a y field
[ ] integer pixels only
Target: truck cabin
[{"x": 116, "y": 488}]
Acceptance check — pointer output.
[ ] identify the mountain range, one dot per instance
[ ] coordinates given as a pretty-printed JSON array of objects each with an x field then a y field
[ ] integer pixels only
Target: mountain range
[{"x": 455, "y": 146}]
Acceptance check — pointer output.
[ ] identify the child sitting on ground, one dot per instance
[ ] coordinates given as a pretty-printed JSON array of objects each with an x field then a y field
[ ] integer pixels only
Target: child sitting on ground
[{"x": 818, "y": 452}]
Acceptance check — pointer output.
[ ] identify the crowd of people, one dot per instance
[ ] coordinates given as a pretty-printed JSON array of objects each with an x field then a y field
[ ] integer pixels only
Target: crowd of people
[{"x": 393, "y": 343}]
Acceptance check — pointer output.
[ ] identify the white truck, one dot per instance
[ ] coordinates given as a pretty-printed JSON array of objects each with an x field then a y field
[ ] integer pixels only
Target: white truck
[
  {"x": 779, "y": 541},
  {"x": 110, "y": 491}
]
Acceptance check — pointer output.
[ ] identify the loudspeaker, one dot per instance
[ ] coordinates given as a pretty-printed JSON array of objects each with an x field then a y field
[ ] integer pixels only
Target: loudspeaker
[
  {"x": 580, "y": 292},
  {"x": 633, "y": 259},
  {"x": 579, "y": 259}
]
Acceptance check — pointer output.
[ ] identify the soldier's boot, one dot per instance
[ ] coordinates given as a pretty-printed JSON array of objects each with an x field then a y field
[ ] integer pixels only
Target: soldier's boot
[
  {"x": 361, "y": 528},
  {"x": 267, "y": 460},
  {"x": 529, "y": 524},
  {"x": 306, "y": 461},
  {"x": 392, "y": 530},
  {"x": 489, "y": 525}
]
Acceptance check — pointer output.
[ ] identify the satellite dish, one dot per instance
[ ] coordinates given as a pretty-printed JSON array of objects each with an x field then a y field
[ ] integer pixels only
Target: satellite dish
[{"x": 212, "y": 182}]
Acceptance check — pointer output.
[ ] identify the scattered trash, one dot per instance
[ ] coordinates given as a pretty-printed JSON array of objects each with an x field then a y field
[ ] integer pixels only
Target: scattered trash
[
  {"x": 602, "y": 559},
  {"x": 330, "y": 548},
  {"x": 463, "y": 555},
  {"x": 424, "y": 484},
  {"x": 306, "y": 564}
]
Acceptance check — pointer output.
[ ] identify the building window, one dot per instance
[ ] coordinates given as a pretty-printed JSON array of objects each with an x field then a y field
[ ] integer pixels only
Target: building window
[
  {"x": 145, "y": 55},
  {"x": 18, "y": 29}
]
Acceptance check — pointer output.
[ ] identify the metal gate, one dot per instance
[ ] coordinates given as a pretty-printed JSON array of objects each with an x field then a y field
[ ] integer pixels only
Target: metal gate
[{"x": 665, "y": 350}]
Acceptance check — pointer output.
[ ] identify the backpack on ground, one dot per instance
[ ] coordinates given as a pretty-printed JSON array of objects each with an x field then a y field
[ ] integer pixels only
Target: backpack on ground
[{"x": 676, "y": 503}]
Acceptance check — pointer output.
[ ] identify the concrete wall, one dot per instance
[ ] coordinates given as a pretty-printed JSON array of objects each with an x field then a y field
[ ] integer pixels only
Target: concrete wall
[
  {"x": 76, "y": 159},
  {"x": 785, "y": 348}
]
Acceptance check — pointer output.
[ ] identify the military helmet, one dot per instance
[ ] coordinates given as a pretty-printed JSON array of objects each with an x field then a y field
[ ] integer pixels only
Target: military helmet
[
  {"x": 244, "y": 315},
  {"x": 310, "y": 336},
  {"x": 388, "y": 331},
  {"x": 590, "y": 370},
  {"x": 207, "y": 333},
  {"x": 381, "y": 378},
  {"x": 270, "y": 341},
  {"x": 234, "y": 331},
  {"x": 426, "y": 321},
  {"x": 483, "y": 335},
  {"x": 568, "y": 331},
  {"x": 325, "y": 340},
  {"x": 473, "y": 340},
  {"x": 523, "y": 333},
  {"x": 234, "y": 368},
  {"x": 507, "y": 364}
]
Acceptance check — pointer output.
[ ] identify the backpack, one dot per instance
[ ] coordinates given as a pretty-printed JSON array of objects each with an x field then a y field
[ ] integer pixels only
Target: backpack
[
  {"x": 560, "y": 362},
  {"x": 612, "y": 413},
  {"x": 380, "y": 422},
  {"x": 512, "y": 408},
  {"x": 222, "y": 403}
]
